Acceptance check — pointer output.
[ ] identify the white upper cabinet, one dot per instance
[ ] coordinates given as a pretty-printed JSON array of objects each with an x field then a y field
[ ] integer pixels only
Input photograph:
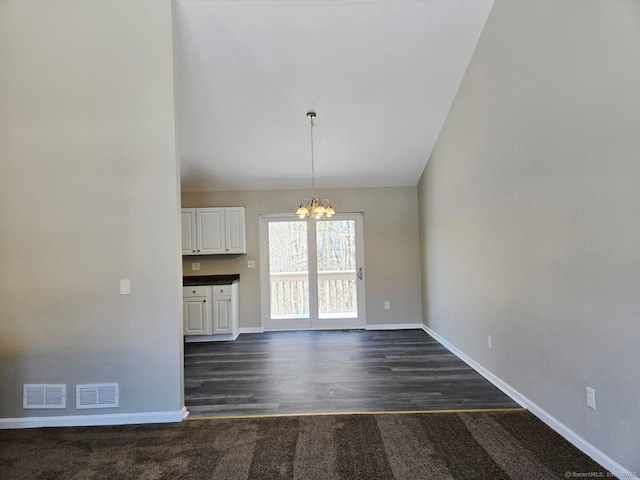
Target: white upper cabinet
[
  {"x": 189, "y": 245},
  {"x": 211, "y": 231},
  {"x": 215, "y": 231},
  {"x": 235, "y": 241}
]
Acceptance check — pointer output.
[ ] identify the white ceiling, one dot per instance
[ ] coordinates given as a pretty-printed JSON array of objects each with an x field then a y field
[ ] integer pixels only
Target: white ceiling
[{"x": 381, "y": 75}]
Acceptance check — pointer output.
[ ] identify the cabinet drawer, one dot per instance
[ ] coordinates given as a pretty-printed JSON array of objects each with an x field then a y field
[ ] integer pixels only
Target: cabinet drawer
[
  {"x": 222, "y": 289},
  {"x": 200, "y": 291}
]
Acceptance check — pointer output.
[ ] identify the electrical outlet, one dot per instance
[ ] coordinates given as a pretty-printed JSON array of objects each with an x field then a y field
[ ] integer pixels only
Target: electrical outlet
[
  {"x": 387, "y": 305},
  {"x": 489, "y": 341},
  {"x": 195, "y": 266},
  {"x": 591, "y": 398},
  {"x": 251, "y": 264}
]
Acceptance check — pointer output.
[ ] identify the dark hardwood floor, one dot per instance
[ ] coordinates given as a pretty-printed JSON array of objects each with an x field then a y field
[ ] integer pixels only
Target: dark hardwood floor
[{"x": 331, "y": 371}]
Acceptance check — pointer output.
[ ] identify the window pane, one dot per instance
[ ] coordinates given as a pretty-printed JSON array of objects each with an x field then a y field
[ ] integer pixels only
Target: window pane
[
  {"x": 288, "y": 269},
  {"x": 336, "y": 244}
]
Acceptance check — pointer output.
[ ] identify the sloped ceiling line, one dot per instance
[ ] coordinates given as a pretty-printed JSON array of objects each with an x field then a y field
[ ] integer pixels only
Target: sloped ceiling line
[{"x": 380, "y": 74}]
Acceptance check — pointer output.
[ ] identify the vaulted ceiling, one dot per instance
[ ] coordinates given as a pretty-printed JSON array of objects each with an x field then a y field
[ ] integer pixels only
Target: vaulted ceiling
[{"x": 381, "y": 75}]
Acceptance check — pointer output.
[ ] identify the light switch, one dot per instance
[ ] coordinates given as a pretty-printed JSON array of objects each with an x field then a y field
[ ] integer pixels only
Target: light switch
[
  {"x": 125, "y": 287},
  {"x": 591, "y": 398},
  {"x": 195, "y": 266}
]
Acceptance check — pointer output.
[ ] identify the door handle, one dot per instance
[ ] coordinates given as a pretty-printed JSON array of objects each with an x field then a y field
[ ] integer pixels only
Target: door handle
[{"x": 360, "y": 273}]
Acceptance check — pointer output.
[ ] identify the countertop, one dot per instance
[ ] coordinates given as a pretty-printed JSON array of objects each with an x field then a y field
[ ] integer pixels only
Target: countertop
[{"x": 197, "y": 280}]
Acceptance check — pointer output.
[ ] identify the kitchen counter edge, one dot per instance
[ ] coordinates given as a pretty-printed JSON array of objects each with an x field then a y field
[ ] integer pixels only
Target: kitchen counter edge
[{"x": 198, "y": 280}]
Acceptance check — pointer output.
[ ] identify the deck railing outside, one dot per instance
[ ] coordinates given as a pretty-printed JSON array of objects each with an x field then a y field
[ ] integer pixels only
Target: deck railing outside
[{"x": 337, "y": 295}]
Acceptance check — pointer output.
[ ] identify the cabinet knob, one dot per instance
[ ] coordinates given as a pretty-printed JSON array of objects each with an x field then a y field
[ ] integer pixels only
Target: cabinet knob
[
  {"x": 193, "y": 251},
  {"x": 204, "y": 301},
  {"x": 194, "y": 291},
  {"x": 198, "y": 250}
]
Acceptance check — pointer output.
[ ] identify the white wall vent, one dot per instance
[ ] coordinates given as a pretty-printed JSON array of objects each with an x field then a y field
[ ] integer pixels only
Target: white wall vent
[
  {"x": 44, "y": 396},
  {"x": 97, "y": 395}
]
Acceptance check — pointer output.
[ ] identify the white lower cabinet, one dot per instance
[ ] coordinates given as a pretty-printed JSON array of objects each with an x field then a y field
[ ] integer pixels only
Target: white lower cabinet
[
  {"x": 225, "y": 309},
  {"x": 197, "y": 310},
  {"x": 222, "y": 315},
  {"x": 211, "y": 310}
]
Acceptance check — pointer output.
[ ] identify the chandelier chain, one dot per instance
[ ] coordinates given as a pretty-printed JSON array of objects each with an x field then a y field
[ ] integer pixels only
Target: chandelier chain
[
  {"x": 314, "y": 208},
  {"x": 313, "y": 171}
]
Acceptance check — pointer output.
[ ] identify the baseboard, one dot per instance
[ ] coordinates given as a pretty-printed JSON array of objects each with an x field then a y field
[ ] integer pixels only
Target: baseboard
[
  {"x": 395, "y": 326},
  {"x": 219, "y": 337},
  {"x": 507, "y": 389},
  {"x": 252, "y": 330},
  {"x": 576, "y": 440},
  {"x": 94, "y": 420},
  {"x": 382, "y": 326}
]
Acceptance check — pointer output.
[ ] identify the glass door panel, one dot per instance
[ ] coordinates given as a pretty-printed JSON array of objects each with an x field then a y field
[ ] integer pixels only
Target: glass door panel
[
  {"x": 336, "y": 269},
  {"x": 312, "y": 272},
  {"x": 288, "y": 270}
]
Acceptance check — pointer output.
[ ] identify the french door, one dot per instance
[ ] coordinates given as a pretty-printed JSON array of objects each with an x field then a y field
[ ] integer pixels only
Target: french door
[{"x": 312, "y": 272}]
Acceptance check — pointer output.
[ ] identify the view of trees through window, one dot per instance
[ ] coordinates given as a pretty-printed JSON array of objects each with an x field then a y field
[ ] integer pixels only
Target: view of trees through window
[
  {"x": 288, "y": 269},
  {"x": 336, "y": 250},
  {"x": 336, "y": 268}
]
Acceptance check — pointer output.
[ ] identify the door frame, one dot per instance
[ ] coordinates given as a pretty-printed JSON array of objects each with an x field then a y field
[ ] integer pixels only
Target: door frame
[{"x": 308, "y": 324}]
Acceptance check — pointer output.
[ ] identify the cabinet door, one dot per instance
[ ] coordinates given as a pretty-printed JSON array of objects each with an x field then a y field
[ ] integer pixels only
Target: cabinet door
[
  {"x": 188, "y": 231},
  {"x": 222, "y": 314},
  {"x": 210, "y": 230},
  {"x": 234, "y": 230},
  {"x": 196, "y": 317}
]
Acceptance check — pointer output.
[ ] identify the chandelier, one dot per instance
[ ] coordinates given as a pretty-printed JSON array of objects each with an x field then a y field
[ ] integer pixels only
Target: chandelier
[{"x": 315, "y": 208}]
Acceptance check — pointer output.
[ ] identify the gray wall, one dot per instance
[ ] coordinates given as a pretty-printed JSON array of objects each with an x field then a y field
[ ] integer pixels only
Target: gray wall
[
  {"x": 391, "y": 249},
  {"x": 88, "y": 196},
  {"x": 529, "y": 210}
]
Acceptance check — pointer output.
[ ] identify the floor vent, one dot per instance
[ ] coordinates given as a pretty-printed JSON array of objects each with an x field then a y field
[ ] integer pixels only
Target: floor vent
[
  {"x": 98, "y": 395},
  {"x": 44, "y": 396}
]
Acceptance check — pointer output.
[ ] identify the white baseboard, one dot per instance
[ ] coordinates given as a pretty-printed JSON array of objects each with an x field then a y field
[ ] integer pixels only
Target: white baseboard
[
  {"x": 94, "y": 420},
  {"x": 395, "y": 326},
  {"x": 252, "y": 330},
  {"x": 572, "y": 437},
  {"x": 382, "y": 326},
  {"x": 218, "y": 337}
]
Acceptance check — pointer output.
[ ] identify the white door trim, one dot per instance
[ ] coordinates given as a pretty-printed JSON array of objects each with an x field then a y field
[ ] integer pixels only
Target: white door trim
[{"x": 320, "y": 324}]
